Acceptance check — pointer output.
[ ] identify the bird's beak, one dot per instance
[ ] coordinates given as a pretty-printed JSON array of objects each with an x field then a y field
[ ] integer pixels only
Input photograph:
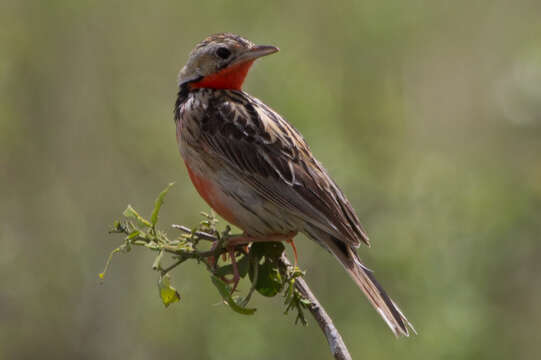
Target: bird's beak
[{"x": 255, "y": 52}]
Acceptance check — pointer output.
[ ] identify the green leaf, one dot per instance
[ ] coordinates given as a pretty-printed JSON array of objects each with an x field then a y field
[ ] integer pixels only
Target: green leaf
[
  {"x": 158, "y": 204},
  {"x": 168, "y": 294},
  {"x": 224, "y": 291},
  {"x": 132, "y": 214},
  {"x": 269, "y": 281},
  {"x": 133, "y": 234},
  {"x": 243, "y": 266}
]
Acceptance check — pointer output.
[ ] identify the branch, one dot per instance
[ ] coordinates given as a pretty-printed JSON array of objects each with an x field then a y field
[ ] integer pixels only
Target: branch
[
  {"x": 337, "y": 345},
  {"x": 263, "y": 263}
]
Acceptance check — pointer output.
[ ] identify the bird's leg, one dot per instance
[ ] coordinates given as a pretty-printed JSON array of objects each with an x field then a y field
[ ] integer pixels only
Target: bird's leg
[
  {"x": 290, "y": 242},
  {"x": 212, "y": 263},
  {"x": 211, "y": 259},
  {"x": 233, "y": 241},
  {"x": 230, "y": 246}
]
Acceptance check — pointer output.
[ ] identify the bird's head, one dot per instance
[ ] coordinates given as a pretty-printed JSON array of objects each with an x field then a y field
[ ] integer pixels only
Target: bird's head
[{"x": 221, "y": 61}]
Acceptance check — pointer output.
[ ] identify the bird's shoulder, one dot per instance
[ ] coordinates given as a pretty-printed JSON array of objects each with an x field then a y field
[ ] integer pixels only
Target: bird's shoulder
[{"x": 240, "y": 116}]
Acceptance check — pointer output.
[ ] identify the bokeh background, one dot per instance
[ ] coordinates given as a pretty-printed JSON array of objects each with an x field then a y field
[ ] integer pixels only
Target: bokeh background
[{"x": 427, "y": 113}]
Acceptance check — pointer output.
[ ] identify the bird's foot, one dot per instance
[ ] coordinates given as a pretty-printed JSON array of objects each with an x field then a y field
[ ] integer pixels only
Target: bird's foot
[
  {"x": 212, "y": 262},
  {"x": 233, "y": 242}
]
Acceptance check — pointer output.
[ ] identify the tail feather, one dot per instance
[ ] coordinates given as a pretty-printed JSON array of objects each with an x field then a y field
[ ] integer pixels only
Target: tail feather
[
  {"x": 387, "y": 309},
  {"x": 364, "y": 278}
]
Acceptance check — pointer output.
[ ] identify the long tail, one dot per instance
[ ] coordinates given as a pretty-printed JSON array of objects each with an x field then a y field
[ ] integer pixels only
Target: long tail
[{"x": 366, "y": 281}]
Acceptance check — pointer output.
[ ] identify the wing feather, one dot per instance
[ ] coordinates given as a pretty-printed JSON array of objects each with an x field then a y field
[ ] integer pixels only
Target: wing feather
[{"x": 271, "y": 156}]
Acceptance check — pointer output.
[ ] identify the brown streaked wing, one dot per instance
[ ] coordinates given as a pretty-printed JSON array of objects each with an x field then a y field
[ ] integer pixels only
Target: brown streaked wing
[{"x": 271, "y": 156}]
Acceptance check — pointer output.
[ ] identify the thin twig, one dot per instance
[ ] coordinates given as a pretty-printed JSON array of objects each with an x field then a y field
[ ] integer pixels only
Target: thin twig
[
  {"x": 337, "y": 345},
  {"x": 171, "y": 267},
  {"x": 200, "y": 234}
]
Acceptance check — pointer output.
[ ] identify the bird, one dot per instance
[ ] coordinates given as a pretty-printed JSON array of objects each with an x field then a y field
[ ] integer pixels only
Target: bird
[{"x": 257, "y": 171}]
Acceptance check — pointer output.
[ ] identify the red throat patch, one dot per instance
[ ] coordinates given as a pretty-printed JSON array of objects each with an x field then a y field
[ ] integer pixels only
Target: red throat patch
[{"x": 231, "y": 77}]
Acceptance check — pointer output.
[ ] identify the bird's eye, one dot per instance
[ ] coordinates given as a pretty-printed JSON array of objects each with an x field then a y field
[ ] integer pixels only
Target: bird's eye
[{"x": 224, "y": 53}]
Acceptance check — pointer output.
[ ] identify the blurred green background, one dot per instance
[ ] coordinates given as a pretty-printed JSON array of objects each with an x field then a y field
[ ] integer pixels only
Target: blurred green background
[{"x": 428, "y": 115}]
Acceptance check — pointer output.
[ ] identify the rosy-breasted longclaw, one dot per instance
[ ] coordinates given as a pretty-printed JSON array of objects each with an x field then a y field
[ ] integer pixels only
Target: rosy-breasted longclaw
[{"x": 255, "y": 169}]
